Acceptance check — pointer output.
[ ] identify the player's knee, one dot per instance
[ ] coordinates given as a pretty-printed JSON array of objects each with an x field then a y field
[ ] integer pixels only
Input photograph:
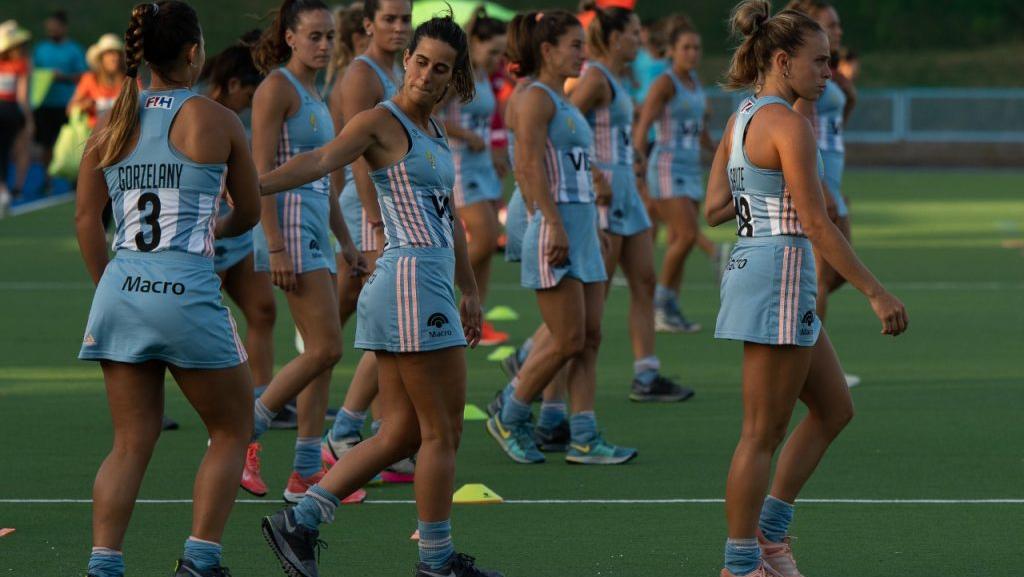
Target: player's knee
[
  {"x": 765, "y": 435},
  {"x": 325, "y": 354},
  {"x": 138, "y": 442},
  {"x": 592, "y": 339},
  {"x": 262, "y": 314},
  {"x": 401, "y": 442},
  {"x": 837, "y": 418},
  {"x": 444, "y": 436},
  {"x": 571, "y": 343},
  {"x": 644, "y": 283}
]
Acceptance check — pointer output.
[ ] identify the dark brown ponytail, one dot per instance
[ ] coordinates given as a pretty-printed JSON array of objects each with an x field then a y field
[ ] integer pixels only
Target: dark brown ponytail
[
  {"x": 272, "y": 50},
  {"x": 157, "y": 33},
  {"x": 605, "y": 21},
  {"x": 528, "y": 32}
]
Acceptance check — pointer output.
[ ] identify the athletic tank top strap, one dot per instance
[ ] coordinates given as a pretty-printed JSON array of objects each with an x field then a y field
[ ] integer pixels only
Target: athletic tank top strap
[
  {"x": 390, "y": 87},
  {"x": 676, "y": 82},
  {"x": 303, "y": 92},
  {"x": 415, "y": 193}
]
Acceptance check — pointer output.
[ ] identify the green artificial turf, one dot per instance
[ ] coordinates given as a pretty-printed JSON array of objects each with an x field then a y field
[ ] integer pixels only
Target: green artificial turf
[{"x": 938, "y": 417}]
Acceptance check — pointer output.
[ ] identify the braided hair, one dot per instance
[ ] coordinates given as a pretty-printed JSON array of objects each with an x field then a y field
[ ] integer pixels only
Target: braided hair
[{"x": 157, "y": 33}]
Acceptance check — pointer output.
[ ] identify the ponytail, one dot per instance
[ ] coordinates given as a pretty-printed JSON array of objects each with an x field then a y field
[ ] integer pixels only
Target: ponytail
[
  {"x": 348, "y": 21},
  {"x": 483, "y": 27},
  {"x": 272, "y": 49},
  {"x": 605, "y": 21},
  {"x": 157, "y": 33},
  {"x": 762, "y": 34},
  {"x": 528, "y": 32}
]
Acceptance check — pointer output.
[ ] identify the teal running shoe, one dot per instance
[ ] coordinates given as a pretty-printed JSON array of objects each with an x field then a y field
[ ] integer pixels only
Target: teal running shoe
[
  {"x": 598, "y": 452},
  {"x": 516, "y": 440}
]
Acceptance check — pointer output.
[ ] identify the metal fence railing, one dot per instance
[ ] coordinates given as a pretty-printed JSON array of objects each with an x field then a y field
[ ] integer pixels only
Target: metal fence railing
[{"x": 967, "y": 115}]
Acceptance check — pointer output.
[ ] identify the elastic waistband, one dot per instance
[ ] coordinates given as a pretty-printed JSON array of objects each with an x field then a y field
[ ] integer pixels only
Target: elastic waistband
[
  {"x": 176, "y": 256},
  {"x": 432, "y": 252},
  {"x": 779, "y": 240}
]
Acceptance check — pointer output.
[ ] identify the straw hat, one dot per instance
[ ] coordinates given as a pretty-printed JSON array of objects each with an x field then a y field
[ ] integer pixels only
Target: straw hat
[
  {"x": 106, "y": 43},
  {"x": 12, "y": 35}
]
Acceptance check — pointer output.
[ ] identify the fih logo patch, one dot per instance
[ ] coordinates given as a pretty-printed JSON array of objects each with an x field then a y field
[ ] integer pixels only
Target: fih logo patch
[
  {"x": 808, "y": 318},
  {"x": 165, "y": 102},
  {"x": 437, "y": 320},
  {"x": 314, "y": 245}
]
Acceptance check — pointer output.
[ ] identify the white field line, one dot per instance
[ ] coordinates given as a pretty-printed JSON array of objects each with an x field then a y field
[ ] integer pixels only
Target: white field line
[
  {"x": 565, "y": 501},
  {"x": 45, "y": 202},
  {"x": 16, "y": 286}
]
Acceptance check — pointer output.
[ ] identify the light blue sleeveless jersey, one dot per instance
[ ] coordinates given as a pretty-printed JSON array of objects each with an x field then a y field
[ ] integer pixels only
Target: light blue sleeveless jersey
[
  {"x": 475, "y": 116},
  {"x": 408, "y": 304},
  {"x": 303, "y": 213},
  {"x": 351, "y": 207},
  {"x": 161, "y": 200},
  {"x": 677, "y": 132},
  {"x": 308, "y": 129},
  {"x": 475, "y": 177},
  {"x": 612, "y": 125},
  {"x": 415, "y": 195},
  {"x": 763, "y": 204},
  {"x": 159, "y": 298},
  {"x": 613, "y": 129},
  {"x": 390, "y": 89},
  {"x": 828, "y": 118},
  {"x": 769, "y": 287},
  {"x": 568, "y": 152}
]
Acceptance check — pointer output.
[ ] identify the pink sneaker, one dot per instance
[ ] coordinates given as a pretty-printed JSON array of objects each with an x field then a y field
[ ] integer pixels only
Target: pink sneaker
[
  {"x": 251, "y": 480},
  {"x": 761, "y": 571},
  {"x": 778, "y": 557},
  {"x": 297, "y": 487}
]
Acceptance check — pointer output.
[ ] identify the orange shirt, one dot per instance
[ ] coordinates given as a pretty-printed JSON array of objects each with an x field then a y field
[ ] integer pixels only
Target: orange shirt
[
  {"x": 10, "y": 72},
  {"x": 103, "y": 96}
]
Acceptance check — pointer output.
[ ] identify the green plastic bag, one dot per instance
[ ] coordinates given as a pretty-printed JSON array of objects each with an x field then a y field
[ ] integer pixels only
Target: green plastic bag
[
  {"x": 39, "y": 85},
  {"x": 70, "y": 146}
]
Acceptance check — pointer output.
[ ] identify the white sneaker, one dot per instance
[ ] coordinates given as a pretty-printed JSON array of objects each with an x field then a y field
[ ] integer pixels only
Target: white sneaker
[
  {"x": 331, "y": 451},
  {"x": 852, "y": 380},
  {"x": 5, "y": 201}
]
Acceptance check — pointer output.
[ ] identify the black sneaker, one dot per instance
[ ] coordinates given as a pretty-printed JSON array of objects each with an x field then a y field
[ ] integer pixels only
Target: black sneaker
[
  {"x": 510, "y": 365},
  {"x": 297, "y": 547},
  {"x": 168, "y": 424},
  {"x": 554, "y": 440},
  {"x": 660, "y": 390},
  {"x": 287, "y": 418},
  {"x": 461, "y": 565},
  {"x": 185, "y": 568},
  {"x": 494, "y": 407}
]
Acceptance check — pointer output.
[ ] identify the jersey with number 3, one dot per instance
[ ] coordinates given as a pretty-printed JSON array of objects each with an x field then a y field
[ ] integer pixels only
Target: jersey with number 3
[
  {"x": 161, "y": 200},
  {"x": 763, "y": 203}
]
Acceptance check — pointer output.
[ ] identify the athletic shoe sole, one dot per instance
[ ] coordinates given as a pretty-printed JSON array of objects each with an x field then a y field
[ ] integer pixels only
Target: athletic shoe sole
[
  {"x": 501, "y": 443},
  {"x": 574, "y": 460},
  {"x": 290, "y": 565},
  {"x": 251, "y": 492},
  {"x": 638, "y": 398}
]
